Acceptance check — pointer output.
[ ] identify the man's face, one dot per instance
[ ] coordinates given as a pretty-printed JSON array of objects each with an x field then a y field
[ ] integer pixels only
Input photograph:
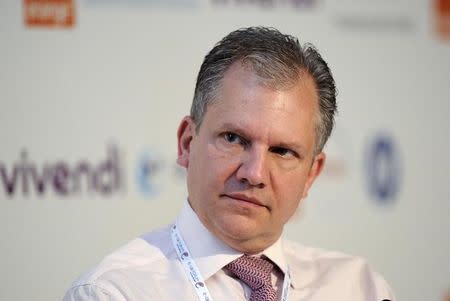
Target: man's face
[{"x": 252, "y": 160}]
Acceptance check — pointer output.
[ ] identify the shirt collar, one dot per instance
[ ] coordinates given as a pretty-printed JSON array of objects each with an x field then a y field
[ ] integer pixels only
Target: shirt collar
[
  {"x": 275, "y": 254},
  {"x": 210, "y": 253}
]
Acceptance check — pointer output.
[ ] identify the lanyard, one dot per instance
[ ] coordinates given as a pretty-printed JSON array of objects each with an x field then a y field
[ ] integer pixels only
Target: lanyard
[{"x": 193, "y": 272}]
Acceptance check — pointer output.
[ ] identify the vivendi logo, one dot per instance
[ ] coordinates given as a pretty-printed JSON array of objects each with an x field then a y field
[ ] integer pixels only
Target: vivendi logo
[{"x": 25, "y": 177}]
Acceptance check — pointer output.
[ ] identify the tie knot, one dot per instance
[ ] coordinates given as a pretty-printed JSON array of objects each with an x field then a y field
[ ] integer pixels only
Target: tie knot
[{"x": 254, "y": 271}]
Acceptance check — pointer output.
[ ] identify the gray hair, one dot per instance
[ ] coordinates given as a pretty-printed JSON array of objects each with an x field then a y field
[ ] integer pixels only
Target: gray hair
[{"x": 278, "y": 60}]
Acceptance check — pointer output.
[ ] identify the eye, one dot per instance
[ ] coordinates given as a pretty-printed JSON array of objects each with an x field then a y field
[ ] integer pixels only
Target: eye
[
  {"x": 284, "y": 152},
  {"x": 233, "y": 138}
]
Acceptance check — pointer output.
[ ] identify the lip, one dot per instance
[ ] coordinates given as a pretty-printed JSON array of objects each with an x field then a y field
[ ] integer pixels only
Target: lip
[{"x": 245, "y": 198}]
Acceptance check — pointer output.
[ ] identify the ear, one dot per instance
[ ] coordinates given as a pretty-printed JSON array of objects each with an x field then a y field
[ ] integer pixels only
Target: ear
[
  {"x": 316, "y": 169},
  {"x": 186, "y": 131}
]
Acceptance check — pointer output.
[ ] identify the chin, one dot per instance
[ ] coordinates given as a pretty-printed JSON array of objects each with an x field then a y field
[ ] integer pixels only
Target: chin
[{"x": 240, "y": 229}]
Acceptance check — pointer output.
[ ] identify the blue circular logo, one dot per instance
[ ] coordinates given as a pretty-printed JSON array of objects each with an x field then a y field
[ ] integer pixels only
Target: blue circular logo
[{"x": 383, "y": 169}]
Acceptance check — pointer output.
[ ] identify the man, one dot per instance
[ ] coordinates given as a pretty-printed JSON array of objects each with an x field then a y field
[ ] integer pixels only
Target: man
[{"x": 252, "y": 146}]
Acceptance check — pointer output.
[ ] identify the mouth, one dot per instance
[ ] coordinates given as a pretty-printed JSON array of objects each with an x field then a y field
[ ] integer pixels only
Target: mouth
[{"x": 246, "y": 199}]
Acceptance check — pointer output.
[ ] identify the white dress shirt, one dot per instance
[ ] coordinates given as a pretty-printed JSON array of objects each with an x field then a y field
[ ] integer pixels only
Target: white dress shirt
[{"x": 148, "y": 268}]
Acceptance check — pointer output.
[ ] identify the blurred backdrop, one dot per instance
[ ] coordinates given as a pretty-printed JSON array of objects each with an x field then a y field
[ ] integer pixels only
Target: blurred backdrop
[{"x": 91, "y": 93}]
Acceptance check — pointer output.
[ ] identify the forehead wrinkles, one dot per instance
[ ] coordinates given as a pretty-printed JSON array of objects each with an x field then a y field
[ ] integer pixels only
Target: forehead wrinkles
[{"x": 246, "y": 94}]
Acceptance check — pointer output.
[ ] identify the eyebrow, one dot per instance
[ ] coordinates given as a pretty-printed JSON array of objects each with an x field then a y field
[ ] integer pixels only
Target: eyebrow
[{"x": 241, "y": 131}]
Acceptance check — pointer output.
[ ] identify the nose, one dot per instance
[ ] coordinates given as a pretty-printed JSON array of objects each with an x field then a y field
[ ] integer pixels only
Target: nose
[{"x": 253, "y": 169}]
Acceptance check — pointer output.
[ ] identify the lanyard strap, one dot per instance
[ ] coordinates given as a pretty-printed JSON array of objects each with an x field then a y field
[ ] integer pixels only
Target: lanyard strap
[
  {"x": 189, "y": 265},
  {"x": 194, "y": 274}
]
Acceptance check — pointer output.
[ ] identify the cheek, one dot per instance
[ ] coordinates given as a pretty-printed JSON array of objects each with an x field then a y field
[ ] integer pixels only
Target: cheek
[
  {"x": 222, "y": 163},
  {"x": 289, "y": 190},
  {"x": 208, "y": 172}
]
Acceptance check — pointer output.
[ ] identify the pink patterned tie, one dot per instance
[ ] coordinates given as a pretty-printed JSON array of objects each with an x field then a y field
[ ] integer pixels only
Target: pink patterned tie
[{"x": 255, "y": 272}]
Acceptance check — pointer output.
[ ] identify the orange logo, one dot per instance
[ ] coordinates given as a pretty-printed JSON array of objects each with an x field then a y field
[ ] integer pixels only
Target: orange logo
[
  {"x": 49, "y": 13},
  {"x": 442, "y": 10},
  {"x": 447, "y": 298}
]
